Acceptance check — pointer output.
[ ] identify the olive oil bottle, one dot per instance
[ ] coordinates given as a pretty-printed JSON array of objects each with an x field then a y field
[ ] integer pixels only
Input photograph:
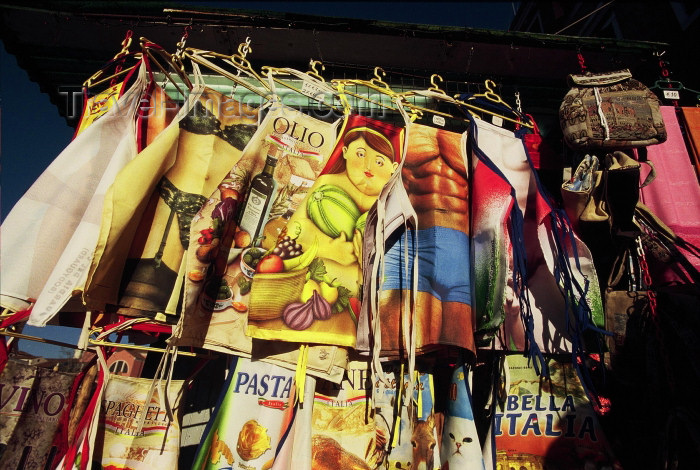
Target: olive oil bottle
[{"x": 256, "y": 208}]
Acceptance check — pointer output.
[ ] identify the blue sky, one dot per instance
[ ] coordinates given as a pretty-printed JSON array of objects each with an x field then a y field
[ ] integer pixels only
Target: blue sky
[{"x": 32, "y": 133}]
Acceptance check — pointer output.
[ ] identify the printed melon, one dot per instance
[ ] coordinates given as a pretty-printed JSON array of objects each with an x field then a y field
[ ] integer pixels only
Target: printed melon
[
  {"x": 361, "y": 222},
  {"x": 333, "y": 211}
]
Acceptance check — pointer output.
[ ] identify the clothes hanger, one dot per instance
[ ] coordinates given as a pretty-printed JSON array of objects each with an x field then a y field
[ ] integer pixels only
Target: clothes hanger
[
  {"x": 312, "y": 79},
  {"x": 152, "y": 50},
  {"x": 98, "y": 77},
  {"x": 135, "y": 325},
  {"x": 673, "y": 85},
  {"x": 492, "y": 96},
  {"x": 38, "y": 339},
  {"x": 138, "y": 347},
  {"x": 376, "y": 84},
  {"x": 435, "y": 92},
  {"x": 237, "y": 60}
]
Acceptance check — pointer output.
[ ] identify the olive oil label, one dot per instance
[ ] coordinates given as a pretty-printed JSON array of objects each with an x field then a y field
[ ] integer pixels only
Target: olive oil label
[
  {"x": 254, "y": 210},
  {"x": 222, "y": 265}
]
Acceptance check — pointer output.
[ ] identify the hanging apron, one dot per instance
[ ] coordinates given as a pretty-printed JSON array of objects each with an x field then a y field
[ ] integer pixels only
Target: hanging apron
[
  {"x": 34, "y": 401},
  {"x": 460, "y": 447},
  {"x": 491, "y": 206},
  {"x": 547, "y": 424},
  {"x": 555, "y": 260},
  {"x": 121, "y": 442},
  {"x": 49, "y": 236},
  {"x": 435, "y": 176},
  {"x": 674, "y": 196},
  {"x": 146, "y": 223},
  {"x": 253, "y": 419},
  {"x": 323, "y": 306},
  {"x": 343, "y": 431},
  {"x": 407, "y": 429},
  {"x": 215, "y": 261},
  {"x": 691, "y": 124},
  {"x": 155, "y": 117}
]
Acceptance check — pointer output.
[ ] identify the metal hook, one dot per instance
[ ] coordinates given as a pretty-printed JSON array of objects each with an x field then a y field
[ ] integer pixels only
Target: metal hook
[
  {"x": 183, "y": 40},
  {"x": 434, "y": 78},
  {"x": 314, "y": 71},
  {"x": 377, "y": 80},
  {"x": 244, "y": 48}
]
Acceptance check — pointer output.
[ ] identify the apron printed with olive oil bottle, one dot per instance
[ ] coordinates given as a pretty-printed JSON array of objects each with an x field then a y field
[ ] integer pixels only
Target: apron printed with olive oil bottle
[{"x": 226, "y": 263}]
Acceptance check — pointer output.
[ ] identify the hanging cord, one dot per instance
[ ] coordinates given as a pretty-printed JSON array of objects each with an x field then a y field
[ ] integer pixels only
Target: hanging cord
[
  {"x": 125, "y": 50},
  {"x": 651, "y": 295},
  {"x": 581, "y": 60},
  {"x": 584, "y": 17},
  {"x": 666, "y": 76}
]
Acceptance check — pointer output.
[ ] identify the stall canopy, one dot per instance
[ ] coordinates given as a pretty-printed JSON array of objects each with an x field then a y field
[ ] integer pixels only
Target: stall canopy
[{"x": 61, "y": 44}]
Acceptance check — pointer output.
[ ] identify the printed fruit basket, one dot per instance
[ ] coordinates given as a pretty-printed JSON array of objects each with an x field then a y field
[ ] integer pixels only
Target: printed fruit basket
[{"x": 271, "y": 292}]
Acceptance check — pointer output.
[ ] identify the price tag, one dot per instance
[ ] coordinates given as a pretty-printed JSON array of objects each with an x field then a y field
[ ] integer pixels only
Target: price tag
[
  {"x": 438, "y": 120},
  {"x": 312, "y": 90},
  {"x": 671, "y": 95},
  {"x": 497, "y": 121}
]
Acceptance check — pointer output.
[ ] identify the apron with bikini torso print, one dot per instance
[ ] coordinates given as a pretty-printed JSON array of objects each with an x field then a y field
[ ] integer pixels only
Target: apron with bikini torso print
[{"x": 153, "y": 201}]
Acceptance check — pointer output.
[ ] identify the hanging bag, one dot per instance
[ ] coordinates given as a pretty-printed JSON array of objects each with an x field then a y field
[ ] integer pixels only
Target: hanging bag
[
  {"x": 605, "y": 191},
  {"x": 610, "y": 110}
]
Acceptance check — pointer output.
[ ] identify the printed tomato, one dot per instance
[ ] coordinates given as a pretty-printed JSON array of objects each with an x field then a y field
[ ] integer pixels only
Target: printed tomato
[{"x": 270, "y": 264}]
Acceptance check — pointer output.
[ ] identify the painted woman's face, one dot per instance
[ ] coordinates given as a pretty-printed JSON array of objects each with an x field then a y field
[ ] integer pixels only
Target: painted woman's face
[{"x": 368, "y": 170}]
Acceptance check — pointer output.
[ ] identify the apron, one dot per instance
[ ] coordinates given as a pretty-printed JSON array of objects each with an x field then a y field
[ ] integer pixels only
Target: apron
[
  {"x": 408, "y": 431},
  {"x": 547, "y": 258},
  {"x": 218, "y": 287},
  {"x": 460, "y": 447},
  {"x": 435, "y": 176},
  {"x": 253, "y": 419},
  {"x": 33, "y": 409},
  {"x": 121, "y": 442},
  {"x": 674, "y": 196},
  {"x": 149, "y": 209},
  {"x": 323, "y": 306},
  {"x": 49, "y": 237},
  {"x": 216, "y": 321},
  {"x": 547, "y": 424}
]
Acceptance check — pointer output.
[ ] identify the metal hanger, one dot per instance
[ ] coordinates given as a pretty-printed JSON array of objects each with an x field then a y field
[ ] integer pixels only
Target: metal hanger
[
  {"x": 376, "y": 84},
  {"x": 435, "y": 92},
  {"x": 135, "y": 324},
  {"x": 237, "y": 60},
  {"x": 37, "y": 339},
  {"x": 152, "y": 50},
  {"x": 118, "y": 60},
  {"x": 492, "y": 96},
  {"x": 312, "y": 77}
]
